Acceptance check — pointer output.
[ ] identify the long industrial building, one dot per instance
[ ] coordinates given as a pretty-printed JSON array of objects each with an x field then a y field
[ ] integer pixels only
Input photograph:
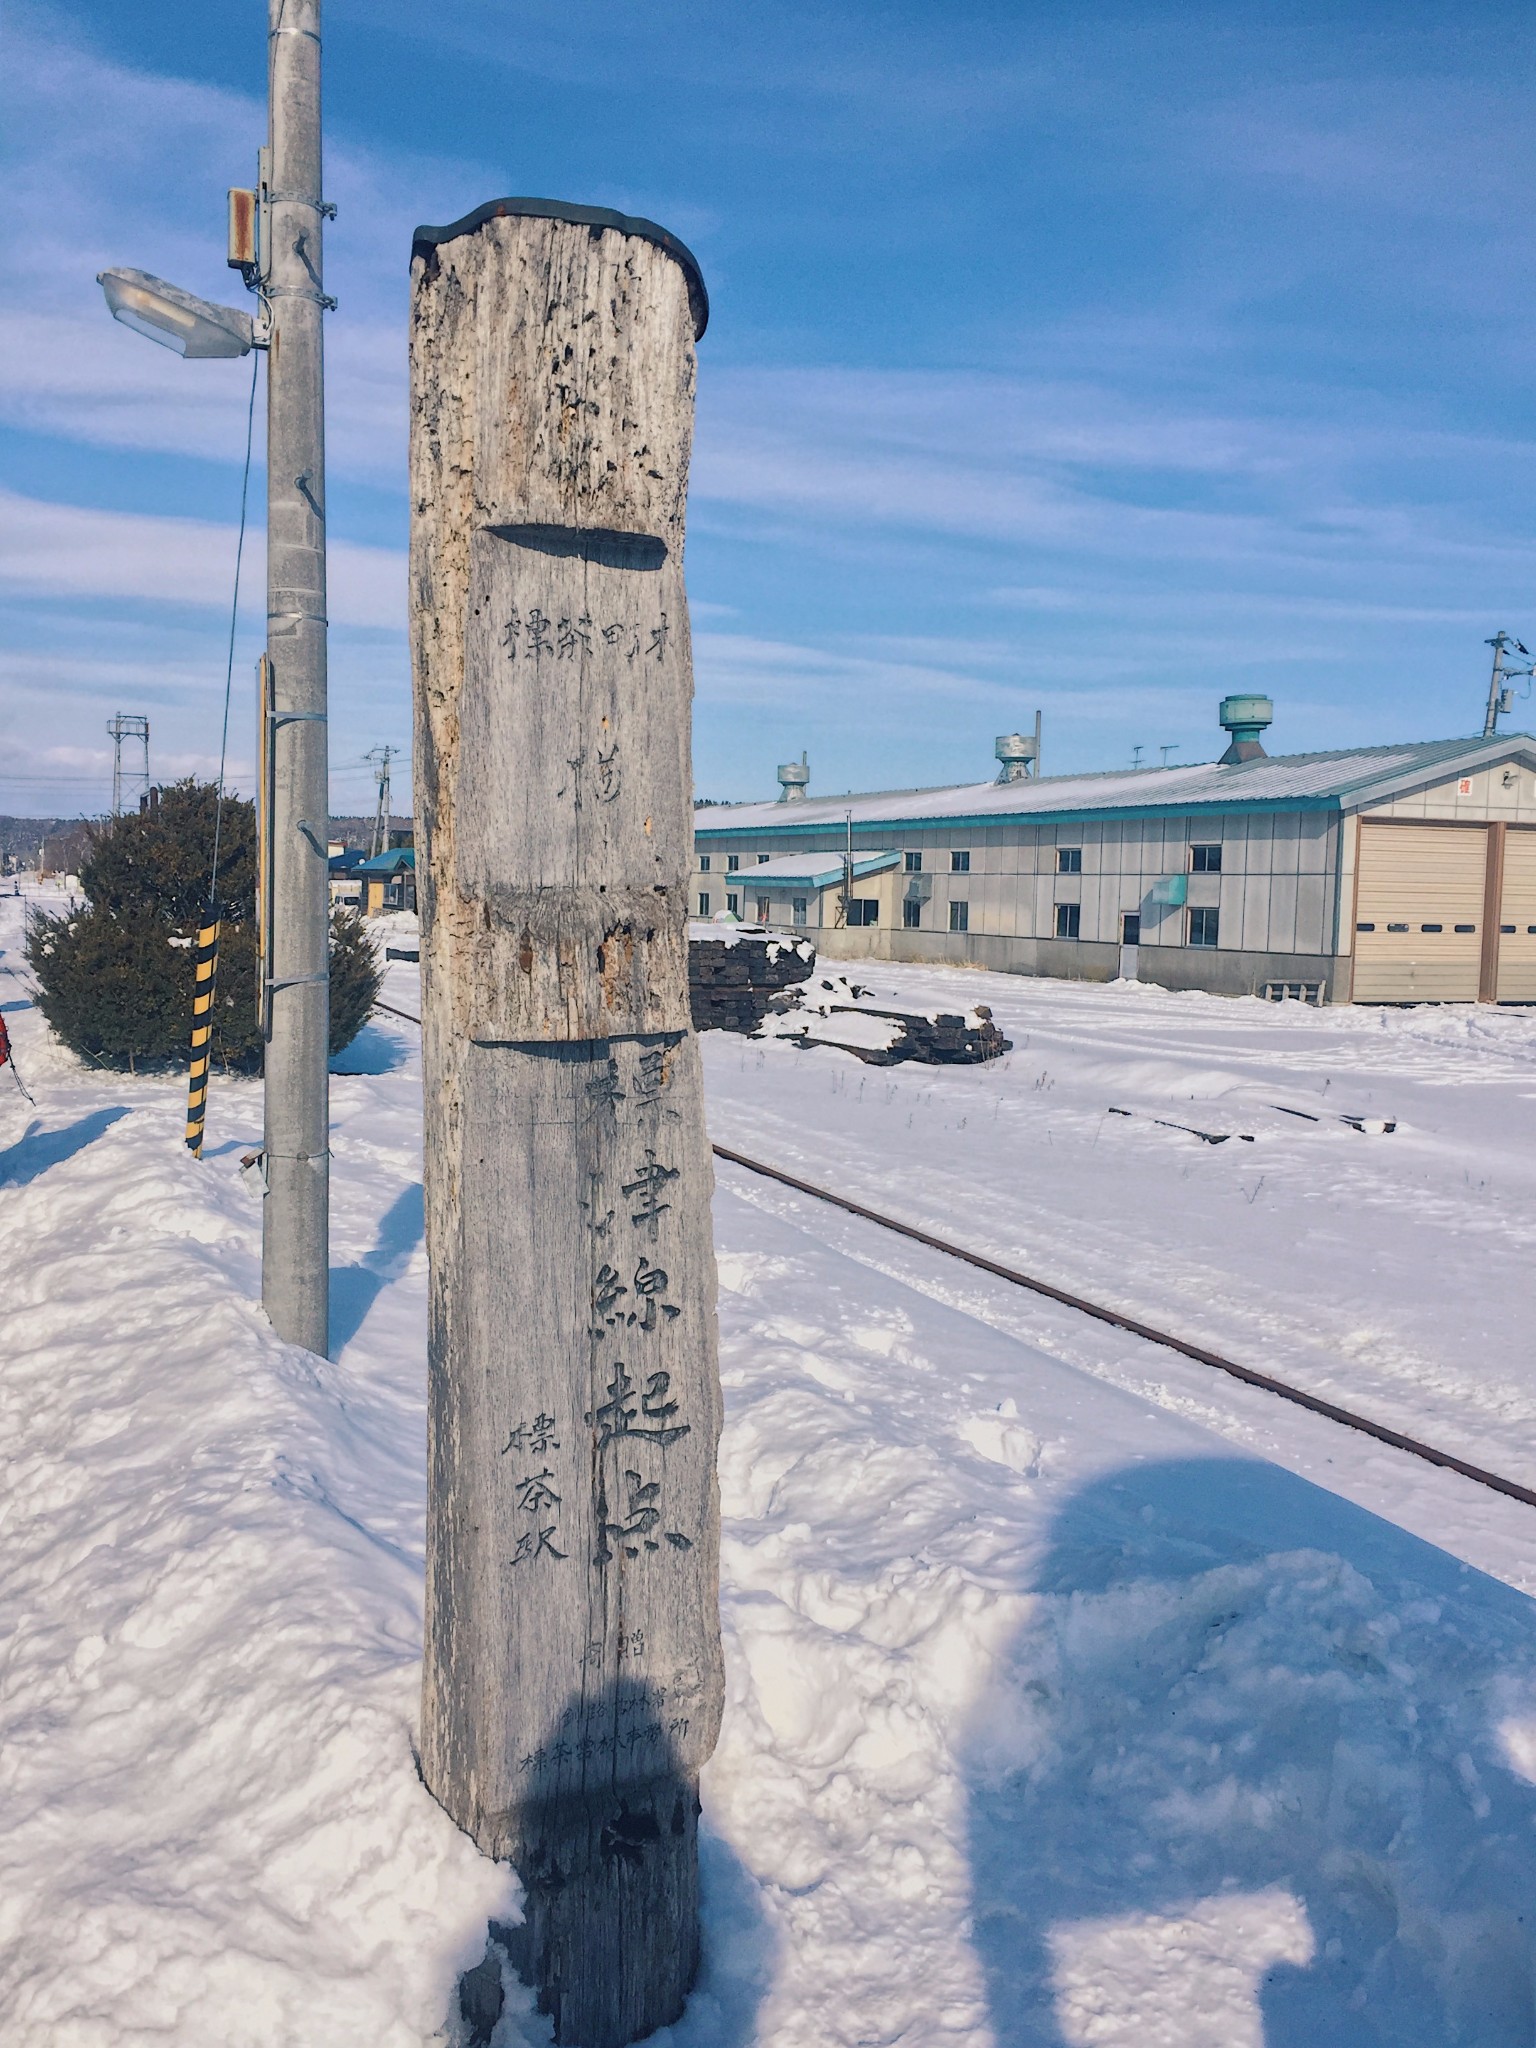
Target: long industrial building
[{"x": 1388, "y": 874}]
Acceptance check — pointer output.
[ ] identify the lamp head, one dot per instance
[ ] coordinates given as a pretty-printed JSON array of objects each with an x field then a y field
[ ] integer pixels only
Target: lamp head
[{"x": 176, "y": 319}]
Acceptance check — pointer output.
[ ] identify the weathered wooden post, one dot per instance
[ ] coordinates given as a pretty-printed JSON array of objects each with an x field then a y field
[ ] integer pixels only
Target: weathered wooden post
[{"x": 573, "y": 1680}]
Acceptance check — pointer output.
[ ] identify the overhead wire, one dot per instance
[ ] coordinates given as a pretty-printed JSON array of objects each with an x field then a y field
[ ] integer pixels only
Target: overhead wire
[{"x": 206, "y": 958}]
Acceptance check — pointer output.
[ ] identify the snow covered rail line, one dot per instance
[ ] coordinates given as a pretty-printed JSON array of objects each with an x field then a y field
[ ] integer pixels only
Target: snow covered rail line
[{"x": 1314, "y": 1403}]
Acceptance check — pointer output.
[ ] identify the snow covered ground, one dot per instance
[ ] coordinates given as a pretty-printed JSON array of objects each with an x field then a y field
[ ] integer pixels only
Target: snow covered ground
[{"x": 1077, "y": 1696}]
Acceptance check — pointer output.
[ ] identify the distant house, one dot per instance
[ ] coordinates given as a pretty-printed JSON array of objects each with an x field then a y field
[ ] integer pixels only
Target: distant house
[
  {"x": 387, "y": 881},
  {"x": 1389, "y": 874},
  {"x": 346, "y": 885}
]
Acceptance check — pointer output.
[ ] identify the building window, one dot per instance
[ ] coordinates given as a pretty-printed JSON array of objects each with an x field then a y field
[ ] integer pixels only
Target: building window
[
  {"x": 1069, "y": 860},
  {"x": 763, "y": 909},
  {"x": 913, "y": 863},
  {"x": 797, "y": 909},
  {"x": 1130, "y": 928},
  {"x": 1204, "y": 925},
  {"x": 703, "y": 903},
  {"x": 733, "y": 861},
  {"x": 960, "y": 916},
  {"x": 1205, "y": 860},
  {"x": 703, "y": 863},
  {"x": 763, "y": 859},
  {"x": 960, "y": 864},
  {"x": 864, "y": 910},
  {"x": 911, "y": 914},
  {"x": 733, "y": 903},
  {"x": 1069, "y": 918}
]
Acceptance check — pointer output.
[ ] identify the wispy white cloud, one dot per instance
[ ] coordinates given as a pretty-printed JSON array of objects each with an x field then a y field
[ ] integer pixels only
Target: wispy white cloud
[{"x": 58, "y": 551}]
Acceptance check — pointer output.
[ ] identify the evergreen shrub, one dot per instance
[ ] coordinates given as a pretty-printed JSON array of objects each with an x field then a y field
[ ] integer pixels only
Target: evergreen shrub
[{"x": 115, "y": 978}]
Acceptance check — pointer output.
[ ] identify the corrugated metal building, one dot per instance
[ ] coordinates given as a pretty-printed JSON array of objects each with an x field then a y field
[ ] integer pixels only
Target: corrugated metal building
[{"x": 1376, "y": 874}]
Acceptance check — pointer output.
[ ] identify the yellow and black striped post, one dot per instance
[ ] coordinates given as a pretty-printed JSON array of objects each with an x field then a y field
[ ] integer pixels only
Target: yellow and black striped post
[{"x": 207, "y": 958}]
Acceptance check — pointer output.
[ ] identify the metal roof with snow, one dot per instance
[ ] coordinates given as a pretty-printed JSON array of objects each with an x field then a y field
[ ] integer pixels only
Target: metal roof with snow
[
  {"x": 394, "y": 860},
  {"x": 1344, "y": 779},
  {"x": 814, "y": 870}
]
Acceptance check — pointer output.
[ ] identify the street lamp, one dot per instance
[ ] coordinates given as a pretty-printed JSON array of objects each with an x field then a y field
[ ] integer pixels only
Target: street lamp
[{"x": 177, "y": 319}]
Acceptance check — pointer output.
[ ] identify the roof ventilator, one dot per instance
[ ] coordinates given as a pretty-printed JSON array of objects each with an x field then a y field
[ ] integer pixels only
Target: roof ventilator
[
  {"x": 794, "y": 779},
  {"x": 1244, "y": 717}
]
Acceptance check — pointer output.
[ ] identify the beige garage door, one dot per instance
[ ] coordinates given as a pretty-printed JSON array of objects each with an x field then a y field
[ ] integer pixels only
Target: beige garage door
[
  {"x": 1419, "y": 913},
  {"x": 1517, "y": 947}
]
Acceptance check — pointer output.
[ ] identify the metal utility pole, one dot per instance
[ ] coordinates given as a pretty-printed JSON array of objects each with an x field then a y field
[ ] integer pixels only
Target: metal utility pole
[
  {"x": 1500, "y": 697},
  {"x": 295, "y": 1251},
  {"x": 381, "y": 757},
  {"x": 127, "y": 726}
]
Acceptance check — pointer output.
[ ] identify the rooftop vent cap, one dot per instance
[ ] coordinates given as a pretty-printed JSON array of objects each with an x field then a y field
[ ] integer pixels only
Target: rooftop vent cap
[
  {"x": 794, "y": 779},
  {"x": 1018, "y": 754},
  {"x": 1245, "y": 717}
]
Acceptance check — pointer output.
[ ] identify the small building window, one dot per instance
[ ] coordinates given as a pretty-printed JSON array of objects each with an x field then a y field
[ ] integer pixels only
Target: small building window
[
  {"x": 733, "y": 861},
  {"x": 797, "y": 909},
  {"x": 1365, "y": 927},
  {"x": 1397, "y": 927},
  {"x": 864, "y": 910},
  {"x": 763, "y": 859},
  {"x": 959, "y": 917},
  {"x": 913, "y": 863},
  {"x": 1069, "y": 920},
  {"x": 1508, "y": 927},
  {"x": 703, "y": 863},
  {"x": 1130, "y": 928},
  {"x": 960, "y": 863},
  {"x": 1069, "y": 860},
  {"x": 911, "y": 914},
  {"x": 1204, "y": 926},
  {"x": 1205, "y": 860},
  {"x": 1466, "y": 927},
  {"x": 733, "y": 903},
  {"x": 763, "y": 909},
  {"x": 703, "y": 903},
  {"x": 1431, "y": 927}
]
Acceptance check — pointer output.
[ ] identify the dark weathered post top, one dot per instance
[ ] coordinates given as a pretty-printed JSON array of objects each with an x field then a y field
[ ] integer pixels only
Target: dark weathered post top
[{"x": 573, "y": 1680}]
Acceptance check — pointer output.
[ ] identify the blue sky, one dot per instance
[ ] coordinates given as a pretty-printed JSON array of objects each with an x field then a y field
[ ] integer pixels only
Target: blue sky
[{"x": 1100, "y": 358}]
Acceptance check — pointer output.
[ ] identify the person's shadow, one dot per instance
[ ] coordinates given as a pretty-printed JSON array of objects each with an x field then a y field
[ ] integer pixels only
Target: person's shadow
[
  {"x": 1270, "y": 1787},
  {"x": 616, "y": 1869}
]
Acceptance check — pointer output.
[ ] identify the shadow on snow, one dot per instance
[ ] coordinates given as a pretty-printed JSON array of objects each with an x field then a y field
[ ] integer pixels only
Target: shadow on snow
[
  {"x": 354, "y": 1289},
  {"x": 36, "y": 1150},
  {"x": 1246, "y": 1761}
]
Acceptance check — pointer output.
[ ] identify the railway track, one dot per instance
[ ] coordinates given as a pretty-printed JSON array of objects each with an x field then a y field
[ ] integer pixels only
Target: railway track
[{"x": 1380, "y": 1432}]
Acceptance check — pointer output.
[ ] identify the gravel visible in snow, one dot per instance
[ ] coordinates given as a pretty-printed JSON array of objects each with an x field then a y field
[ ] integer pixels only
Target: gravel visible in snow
[{"x": 1057, "y": 1714}]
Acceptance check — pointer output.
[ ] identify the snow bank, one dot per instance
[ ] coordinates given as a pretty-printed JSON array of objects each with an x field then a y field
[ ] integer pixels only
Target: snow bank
[
  {"x": 1053, "y": 1719},
  {"x": 1050, "y": 1723},
  {"x": 213, "y": 1827}
]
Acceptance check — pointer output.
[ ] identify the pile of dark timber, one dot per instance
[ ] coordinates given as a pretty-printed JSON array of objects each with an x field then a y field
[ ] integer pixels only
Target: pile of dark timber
[
  {"x": 940, "y": 1040},
  {"x": 732, "y": 981}
]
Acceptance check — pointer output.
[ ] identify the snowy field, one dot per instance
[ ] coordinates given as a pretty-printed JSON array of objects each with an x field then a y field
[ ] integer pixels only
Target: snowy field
[{"x": 1078, "y": 1697}]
